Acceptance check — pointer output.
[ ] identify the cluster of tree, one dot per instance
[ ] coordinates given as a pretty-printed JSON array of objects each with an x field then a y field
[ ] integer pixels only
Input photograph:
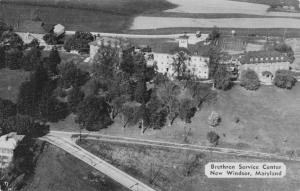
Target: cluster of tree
[
  {"x": 284, "y": 79},
  {"x": 80, "y": 42},
  {"x": 249, "y": 80},
  {"x": 4, "y": 27},
  {"x": 127, "y": 87},
  {"x": 36, "y": 97},
  {"x": 284, "y": 48},
  {"x": 11, "y": 121},
  {"x": 214, "y": 35},
  {"x": 52, "y": 39}
]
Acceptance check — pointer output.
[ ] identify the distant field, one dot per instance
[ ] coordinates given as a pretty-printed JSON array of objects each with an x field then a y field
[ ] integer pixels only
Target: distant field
[
  {"x": 119, "y": 7},
  {"x": 180, "y": 170},
  {"x": 225, "y": 31},
  {"x": 270, "y": 2},
  {"x": 88, "y": 15},
  {"x": 10, "y": 82}
]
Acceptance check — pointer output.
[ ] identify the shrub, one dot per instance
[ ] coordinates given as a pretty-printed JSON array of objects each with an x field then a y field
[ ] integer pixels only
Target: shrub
[
  {"x": 213, "y": 137},
  {"x": 250, "y": 80},
  {"x": 214, "y": 119},
  {"x": 284, "y": 79}
]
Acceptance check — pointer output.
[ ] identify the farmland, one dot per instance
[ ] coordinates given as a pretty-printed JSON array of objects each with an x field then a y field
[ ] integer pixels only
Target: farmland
[{"x": 105, "y": 15}]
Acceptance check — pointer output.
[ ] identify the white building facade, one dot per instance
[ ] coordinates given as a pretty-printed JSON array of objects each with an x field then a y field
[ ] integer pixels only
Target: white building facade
[
  {"x": 196, "y": 65},
  {"x": 8, "y": 143}
]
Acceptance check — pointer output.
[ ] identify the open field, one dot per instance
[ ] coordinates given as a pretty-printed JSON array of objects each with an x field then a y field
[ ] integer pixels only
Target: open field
[
  {"x": 72, "y": 19},
  {"x": 91, "y": 15},
  {"x": 226, "y": 6},
  {"x": 10, "y": 82},
  {"x": 145, "y": 22},
  {"x": 289, "y": 33},
  {"x": 119, "y": 7},
  {"x": 118, "y": 16},
  {"x": 57, "y": 170},
  {"x": 179, "y": 170}
]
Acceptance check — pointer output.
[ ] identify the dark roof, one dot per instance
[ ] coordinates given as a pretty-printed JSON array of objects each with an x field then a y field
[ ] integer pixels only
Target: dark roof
[
  {"x": 255, "y": 57},
  {"x": 48, "y": 27},
  {"x": 184, "y": 37},
  {"x": 172, "y": 47}
]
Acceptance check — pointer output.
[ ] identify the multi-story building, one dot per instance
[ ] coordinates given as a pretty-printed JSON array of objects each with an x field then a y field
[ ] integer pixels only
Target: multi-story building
[
  {"x": 107, "y": 41},
  {"x": 195, "y": 65},
  {"x": 8, "y": 143},
  {"x": 265, "y": 64}
]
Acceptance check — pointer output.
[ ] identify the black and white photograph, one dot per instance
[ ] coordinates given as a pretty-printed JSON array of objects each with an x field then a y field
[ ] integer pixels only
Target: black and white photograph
[{"x": 149, "y": 95}]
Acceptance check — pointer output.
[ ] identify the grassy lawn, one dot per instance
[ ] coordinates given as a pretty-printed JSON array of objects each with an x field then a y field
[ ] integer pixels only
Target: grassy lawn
[
  {"x": 57, "y": 170},
  {"x": 10, "y": 82},
  {"x": 168, "y": 169},
  {"x": 269, "y": 122}
]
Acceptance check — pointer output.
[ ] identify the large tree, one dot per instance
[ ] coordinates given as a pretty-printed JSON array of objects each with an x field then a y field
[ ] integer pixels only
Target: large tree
[
  {"x": 214, "y": 58},
  {"x": 12, "y": 40},
  {"x": 130, "y": 113},
  {"x": 179, "y": 65},
  {"x": 24, "y": 125},
  {"x": 168, "y": 93},
  {"x": 222, "y": 78},
  {"x": 187, "y": 110},
  {"x": 32, "y": 59},
  {"x": 249, "y": 80},
  {"x": 2, "y": 57},
  {"x": 71, "y": 75},
  {"x": 14, "y": 59},
  {"x": 141, "y": 94},
  {"x": 93, "y": 113},
  {"x": 155, "y": 114},
  {"x": 284, "y": 79},
  {"x": 105, "y": 63},
  {"x": 74, "y": 98},
  {"x": 53, "y": 61},
  {"x": 80, "y": 42}
]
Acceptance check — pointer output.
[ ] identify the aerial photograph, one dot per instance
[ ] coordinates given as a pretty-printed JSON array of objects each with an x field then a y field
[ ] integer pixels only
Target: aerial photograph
[{"x": 149, "y": 95}]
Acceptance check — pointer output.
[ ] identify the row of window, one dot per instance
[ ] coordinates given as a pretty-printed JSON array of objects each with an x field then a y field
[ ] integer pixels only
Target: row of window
[
  {"x": 6, "y": 151},
  {"x": 266, "y": 59}
]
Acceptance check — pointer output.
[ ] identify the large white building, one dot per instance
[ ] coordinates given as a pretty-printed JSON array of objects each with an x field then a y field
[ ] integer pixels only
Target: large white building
[
  {"x": 265, "y": 64},
  {"x": 8, "y": 143},
  {"x": 196, "y": 65}
]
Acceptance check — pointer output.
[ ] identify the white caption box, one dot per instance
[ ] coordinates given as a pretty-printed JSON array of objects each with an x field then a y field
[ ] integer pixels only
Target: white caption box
[{"x": 245, "y": 170}]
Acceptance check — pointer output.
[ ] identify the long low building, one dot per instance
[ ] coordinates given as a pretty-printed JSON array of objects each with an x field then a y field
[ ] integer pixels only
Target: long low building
[{"x": 265, "y": 64}]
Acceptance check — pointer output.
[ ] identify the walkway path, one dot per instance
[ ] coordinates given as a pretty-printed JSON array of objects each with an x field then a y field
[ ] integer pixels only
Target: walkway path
[{"x": 172, "y": 145}]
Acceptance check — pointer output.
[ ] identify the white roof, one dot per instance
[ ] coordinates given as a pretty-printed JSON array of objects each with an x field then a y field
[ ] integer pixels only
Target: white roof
[{"x": 10, "y": 141}]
